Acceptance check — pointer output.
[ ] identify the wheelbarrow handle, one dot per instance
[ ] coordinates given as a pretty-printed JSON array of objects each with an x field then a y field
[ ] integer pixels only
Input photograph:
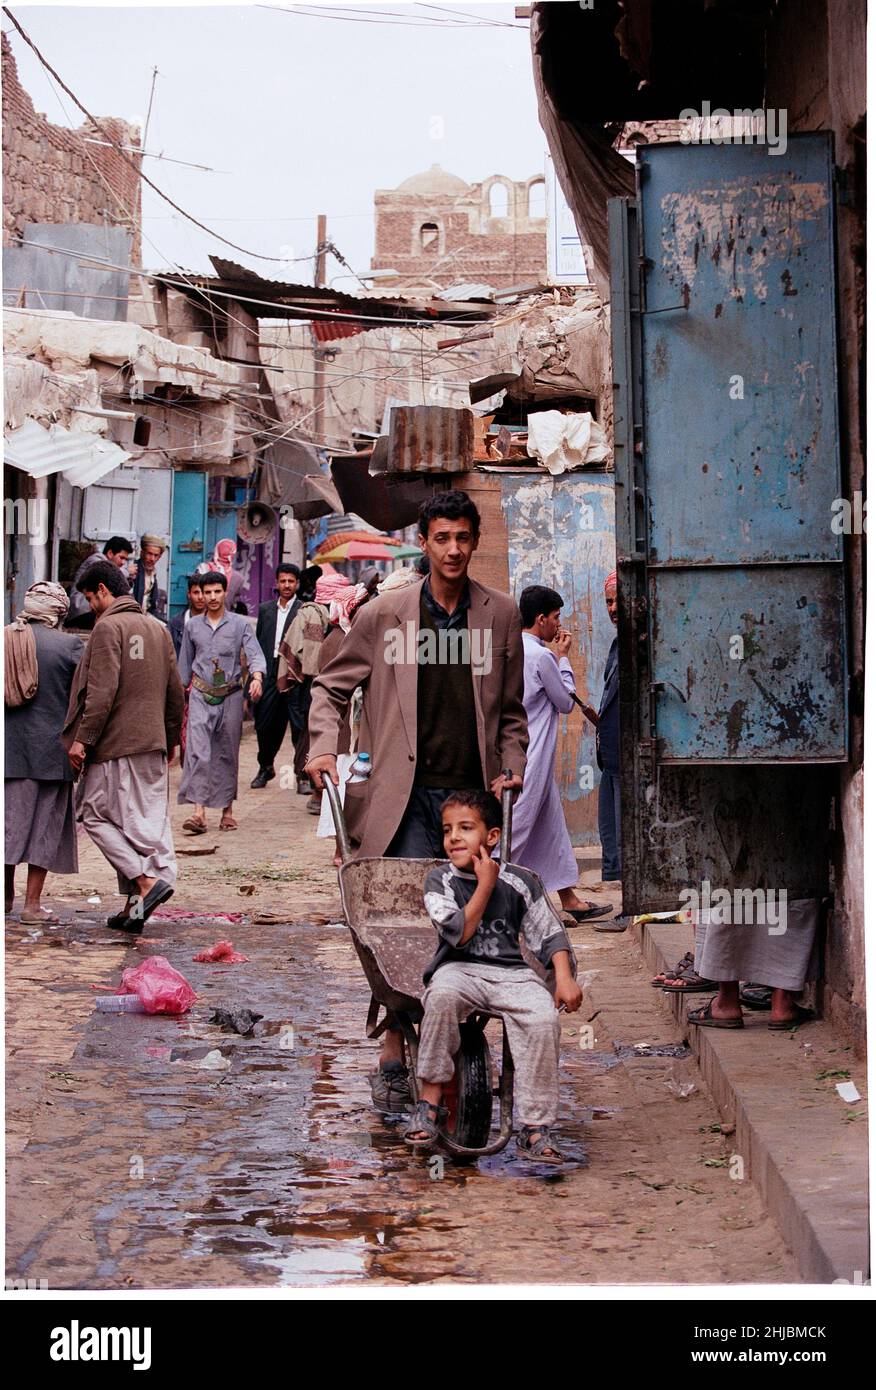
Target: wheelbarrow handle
[
  {"x": 337, "y": 810},
  {"x": 507, "y": 804}
]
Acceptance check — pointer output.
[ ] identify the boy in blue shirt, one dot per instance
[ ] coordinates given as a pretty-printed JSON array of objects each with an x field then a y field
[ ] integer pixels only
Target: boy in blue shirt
[{"x": 480, "y": 910}]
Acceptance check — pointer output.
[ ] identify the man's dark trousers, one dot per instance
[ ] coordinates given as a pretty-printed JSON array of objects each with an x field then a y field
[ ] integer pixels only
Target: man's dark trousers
[
  {"x": 276, "y": 710},
  {"x": 273, "y": 714}
]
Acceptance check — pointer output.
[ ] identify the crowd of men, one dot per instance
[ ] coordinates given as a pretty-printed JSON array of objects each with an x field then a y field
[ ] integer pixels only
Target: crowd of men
[{"x": 138, "y": 688}]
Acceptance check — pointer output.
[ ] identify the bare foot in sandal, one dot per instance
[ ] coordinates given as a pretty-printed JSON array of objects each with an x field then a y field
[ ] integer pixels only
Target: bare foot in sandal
[
  {"x": 425, "y": 1125},
  {"x": 228, "y": 823},
  {"x": 534, "y": 1143},
  {"x": 722, "y": 1011}
]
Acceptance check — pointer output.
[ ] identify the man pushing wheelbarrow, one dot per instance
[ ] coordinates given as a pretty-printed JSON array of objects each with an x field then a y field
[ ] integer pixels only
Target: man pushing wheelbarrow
[{"x": 440, "y": 662}]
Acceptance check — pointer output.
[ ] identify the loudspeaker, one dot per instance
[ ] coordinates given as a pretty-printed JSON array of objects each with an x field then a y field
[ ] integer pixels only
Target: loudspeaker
[{"x": 256, "y": 522}]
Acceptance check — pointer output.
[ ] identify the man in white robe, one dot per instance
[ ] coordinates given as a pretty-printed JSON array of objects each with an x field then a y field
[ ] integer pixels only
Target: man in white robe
[{"x": 540, "y": 840}]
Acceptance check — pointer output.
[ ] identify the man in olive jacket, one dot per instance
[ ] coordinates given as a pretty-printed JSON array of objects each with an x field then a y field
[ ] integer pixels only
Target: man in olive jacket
[{"x": 123, "y": 726}]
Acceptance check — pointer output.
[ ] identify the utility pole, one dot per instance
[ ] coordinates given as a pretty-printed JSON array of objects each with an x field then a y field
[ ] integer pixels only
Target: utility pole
[{"x": 318, "y": 359}]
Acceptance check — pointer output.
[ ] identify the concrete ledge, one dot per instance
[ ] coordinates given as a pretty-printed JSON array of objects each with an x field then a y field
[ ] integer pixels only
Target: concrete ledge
[{"x": 808, "y": 1160}]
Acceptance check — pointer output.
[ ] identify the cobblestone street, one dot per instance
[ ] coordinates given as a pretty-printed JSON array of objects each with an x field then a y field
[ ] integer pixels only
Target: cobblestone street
[{"x": 131, "y": 1166}]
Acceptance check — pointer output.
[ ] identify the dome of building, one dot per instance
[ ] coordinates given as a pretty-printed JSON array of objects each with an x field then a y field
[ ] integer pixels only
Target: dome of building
[{"x": 433, "y": 181}]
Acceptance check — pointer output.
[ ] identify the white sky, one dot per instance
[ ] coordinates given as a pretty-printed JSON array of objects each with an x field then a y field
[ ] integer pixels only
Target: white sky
[{"x": 304, "y": 114}]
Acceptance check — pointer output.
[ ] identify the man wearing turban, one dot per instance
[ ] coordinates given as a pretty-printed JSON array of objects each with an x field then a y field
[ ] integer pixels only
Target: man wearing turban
[{"x": 39, "y": 664}]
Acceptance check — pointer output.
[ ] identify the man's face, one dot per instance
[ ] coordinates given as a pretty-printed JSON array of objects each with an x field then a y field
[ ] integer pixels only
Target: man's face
[
  {"x": 464, "y": 832},
  {"x": 119, "y": 558},
  {"x": 611, "y": 602},
  {"x": 197, "y": 602},
  {"x": 286, "y": 586},
  {"x": 101, "y": 600},
  {"x": 449, "y": 547},
  {"x": 215, "y": 597},
  {"x": 549, "y": 625},
  {"x": 150, "y": 555}
]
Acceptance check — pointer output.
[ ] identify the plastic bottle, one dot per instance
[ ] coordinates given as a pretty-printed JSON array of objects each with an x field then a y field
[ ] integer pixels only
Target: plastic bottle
[
  {"x": 361, "y": 769},
  {"x": 119, "y": 1004}
]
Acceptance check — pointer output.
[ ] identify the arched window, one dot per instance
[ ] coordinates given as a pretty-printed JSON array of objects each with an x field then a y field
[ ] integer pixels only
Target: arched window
[
  {"x": 536, "y": 203},
  {"x": 498, "y": 200},
  {"x": 429, "y": 236}
]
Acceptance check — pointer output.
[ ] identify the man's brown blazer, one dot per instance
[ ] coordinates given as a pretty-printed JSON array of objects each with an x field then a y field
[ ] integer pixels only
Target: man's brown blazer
[{"x": 376, "y": 655}]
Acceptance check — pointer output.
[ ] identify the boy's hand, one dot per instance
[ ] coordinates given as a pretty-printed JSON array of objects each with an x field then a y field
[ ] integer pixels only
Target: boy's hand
[
  {"x": 568, "y": 993},
  {"x": 486, "y": 869}
]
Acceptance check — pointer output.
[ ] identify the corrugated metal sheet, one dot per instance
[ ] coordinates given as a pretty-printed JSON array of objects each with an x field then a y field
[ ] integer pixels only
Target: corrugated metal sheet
[
  {"x": 430, "y": 439},
  {"x": 82, "y": 458}
]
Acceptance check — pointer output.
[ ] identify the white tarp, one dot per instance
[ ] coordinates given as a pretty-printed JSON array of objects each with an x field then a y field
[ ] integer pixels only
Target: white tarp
[
  {"x": 67, "y": 342},
  {"x": 562, "y": 442},
  {"x": 83, "y": 458}
]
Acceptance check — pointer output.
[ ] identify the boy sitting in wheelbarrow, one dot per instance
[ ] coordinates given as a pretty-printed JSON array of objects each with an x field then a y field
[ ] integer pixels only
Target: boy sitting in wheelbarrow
[{"x": 480, "y": 909}]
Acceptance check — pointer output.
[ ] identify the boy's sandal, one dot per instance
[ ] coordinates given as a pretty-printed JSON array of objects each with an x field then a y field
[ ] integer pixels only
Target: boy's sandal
[
  {"x": 801, "y": 1016},
  {"x": 686, "y": 963},
  {"x": 702, "y": 1018},
  {"x": 195, "y": 826},
  {"x": 756, "y": 997},
  {"x": 582, "y": 914},
  {"x": 691, "y": 982},
  {"x": 534, "y": 1143},
  {"x": 228, "y": 823},
  {"x": 426, "y": 1120}
]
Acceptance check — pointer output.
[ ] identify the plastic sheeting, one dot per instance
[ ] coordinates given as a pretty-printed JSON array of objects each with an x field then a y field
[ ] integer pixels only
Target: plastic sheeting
[{"x": 562, "y": 442}]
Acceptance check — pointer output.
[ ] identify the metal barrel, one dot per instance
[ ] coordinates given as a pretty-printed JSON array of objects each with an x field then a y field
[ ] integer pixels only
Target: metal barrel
[
  {"x": 338, "y": 817},
  {"x": 507, "y": 804}
]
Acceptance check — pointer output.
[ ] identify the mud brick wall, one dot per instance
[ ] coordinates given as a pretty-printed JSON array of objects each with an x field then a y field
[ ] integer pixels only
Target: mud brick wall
[
  {"x": 473, "y": 243},
  {"x": 51, "y": 175}
]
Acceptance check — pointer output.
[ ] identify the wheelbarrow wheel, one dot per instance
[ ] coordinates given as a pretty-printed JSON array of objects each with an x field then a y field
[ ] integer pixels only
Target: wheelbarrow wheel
[{"x": 469, "y": 1096}]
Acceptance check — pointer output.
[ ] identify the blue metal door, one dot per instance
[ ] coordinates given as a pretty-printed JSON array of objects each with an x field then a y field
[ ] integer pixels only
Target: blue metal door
[
  {"x": 188, "y": 535},
  {"x": 741, "y": 451},
  {"x": 732, "y": 625}
]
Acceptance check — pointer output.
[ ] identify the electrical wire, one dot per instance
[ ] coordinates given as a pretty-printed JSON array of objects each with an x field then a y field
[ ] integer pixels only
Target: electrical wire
[
  {"x": 479, "y": 21},
  {"x": 119, "y": 148},
  {"x": 368, "y": 16}
]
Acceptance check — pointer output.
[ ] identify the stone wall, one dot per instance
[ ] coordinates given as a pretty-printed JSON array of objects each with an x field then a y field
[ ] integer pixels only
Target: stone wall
[{"x": 51, "y": 175}]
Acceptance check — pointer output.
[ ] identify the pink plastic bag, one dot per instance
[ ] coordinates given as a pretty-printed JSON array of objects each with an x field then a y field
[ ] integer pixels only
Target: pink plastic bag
[
  {"x": 162, "y": 989},
  {"x": 222, "y": 951}
]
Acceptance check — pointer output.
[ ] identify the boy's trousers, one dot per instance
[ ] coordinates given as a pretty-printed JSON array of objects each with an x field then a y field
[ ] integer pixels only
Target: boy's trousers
[{"x": 530, "y": 1017}]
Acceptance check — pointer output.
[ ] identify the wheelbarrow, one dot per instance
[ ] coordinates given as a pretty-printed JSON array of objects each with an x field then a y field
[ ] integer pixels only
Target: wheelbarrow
[{"x": 395, "y": 939}]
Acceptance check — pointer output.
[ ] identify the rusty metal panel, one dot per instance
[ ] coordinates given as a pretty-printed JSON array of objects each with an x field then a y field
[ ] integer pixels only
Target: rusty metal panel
[
  {"x": 430, "y": 439},
  {"x": 731, "y": 628},
  {"x": 748, "y": 665},
  {"x": 739, "y": 346},
  {"x": 741, "y": 462}
]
